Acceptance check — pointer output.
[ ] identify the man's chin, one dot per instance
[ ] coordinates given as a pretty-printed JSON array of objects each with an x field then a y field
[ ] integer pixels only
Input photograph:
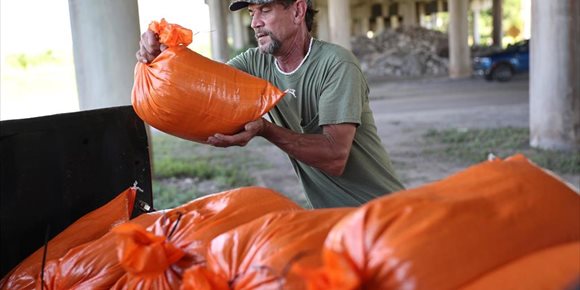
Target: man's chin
[{"x": 265, "y": 49}]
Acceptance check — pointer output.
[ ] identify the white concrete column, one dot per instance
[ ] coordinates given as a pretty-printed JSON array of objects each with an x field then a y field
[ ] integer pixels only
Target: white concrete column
[
  {"x": 555, "y": 75},
  {"x": 476, "y": 33},
  {"x": 218, "y": 28},
  {"x": 238, "y": 30},
  {"x": 459, "y": 54},
  {"x": 435, "y": 16},
  {"x": 409, "y": 13},
  {"x": 105, "y": 37},
  {"x": 422, "y": 14},
  {"x": 394, "y": 21},
  {"x": 365, "y": 18},
  {"x": 380, "y": 23},
  {"x": 322, "y": 25},
  {"x": 497, "y": 13},
  {"x": 339, "y": 20}
]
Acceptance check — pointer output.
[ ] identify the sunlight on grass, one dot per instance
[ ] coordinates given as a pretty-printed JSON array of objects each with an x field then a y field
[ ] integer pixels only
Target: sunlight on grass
[
  {"x": 34, "y": 87},
  {"x": 474, "y": 145},
  {"x": 181, "y": 168}
]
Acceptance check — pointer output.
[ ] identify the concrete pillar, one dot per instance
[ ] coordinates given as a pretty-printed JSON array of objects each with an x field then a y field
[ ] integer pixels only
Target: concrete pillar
[
  {"x": 218, "y": 28},
  {"x": 409, "y": 12},
  {"x": 339, "y": 20},
  {"x": 380, "y": 23},
  {"x": 421, "y": 14},
  {"x": 555, "y": 75},
  {"x": 497, "y": 14},
  {"x": 459, "y": 54},
  {"x": 105, "y": 37},
  {"x": 323, "y": 27},
  {"x": 394, "y": 21},
  {"x": 365, "y": 18},
  {"x": 435, "y": 16},
  {"x": 476, "y": 33},
  {"x": 238, "y": 30}
]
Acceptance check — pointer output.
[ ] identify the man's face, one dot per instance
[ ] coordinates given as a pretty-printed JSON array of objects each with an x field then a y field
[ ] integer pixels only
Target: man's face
[{"x": 272, "y": 24}]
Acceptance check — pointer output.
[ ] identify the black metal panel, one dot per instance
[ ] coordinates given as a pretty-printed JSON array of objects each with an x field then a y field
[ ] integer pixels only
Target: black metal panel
[{"x": 54, "y": 169}]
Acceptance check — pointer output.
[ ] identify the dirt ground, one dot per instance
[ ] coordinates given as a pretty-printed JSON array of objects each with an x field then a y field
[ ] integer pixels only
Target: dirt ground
[{"x": 404, "y": 111}]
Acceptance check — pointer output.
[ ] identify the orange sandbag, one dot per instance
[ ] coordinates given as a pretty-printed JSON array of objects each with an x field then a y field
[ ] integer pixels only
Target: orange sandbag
[
  {"x": 557, "y": 267},
  {"x": 446, "y": 234},
  {"x": 156, "y": 258},
  {"x": 189, "y": 96},
  {"x": 259, "y": 254},
  {"x": 93, "y": 265},
  {"x": 89, "y": 227}
]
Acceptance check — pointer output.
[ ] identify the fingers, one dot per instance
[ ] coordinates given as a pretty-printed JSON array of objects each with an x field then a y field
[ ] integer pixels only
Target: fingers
[
  {"x": 240, "y": 139},
  {"x": 149, "y": 47},
  {"x": 150, "y": 41},
  {"x": 143, "y": 56}
]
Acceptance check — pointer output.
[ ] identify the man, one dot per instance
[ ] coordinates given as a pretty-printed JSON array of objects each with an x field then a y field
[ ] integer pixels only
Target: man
[{"x": 324, "y": 123}]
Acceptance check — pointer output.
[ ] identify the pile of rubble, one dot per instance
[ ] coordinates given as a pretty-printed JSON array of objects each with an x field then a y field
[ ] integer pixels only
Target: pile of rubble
[{"x": 403, "y": 52}]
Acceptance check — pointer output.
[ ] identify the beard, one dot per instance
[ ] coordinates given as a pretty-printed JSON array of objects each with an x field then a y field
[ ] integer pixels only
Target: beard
[{"x": 271, "y": 48}]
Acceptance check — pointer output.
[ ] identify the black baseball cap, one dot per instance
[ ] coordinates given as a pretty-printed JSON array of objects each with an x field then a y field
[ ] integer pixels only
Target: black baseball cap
[{"x": 240, "y": 4}]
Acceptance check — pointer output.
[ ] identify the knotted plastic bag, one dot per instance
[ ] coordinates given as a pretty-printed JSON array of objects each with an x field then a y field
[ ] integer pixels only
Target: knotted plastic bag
[
  {"x": 93, "y": 265},
  {"x": 260, "y": 254},
  {"x": 156, "y": 258},
  {"x": 89, "y": 227},
  {"x": 190, "y": 96},
  {"x": 452, "y": 232}
]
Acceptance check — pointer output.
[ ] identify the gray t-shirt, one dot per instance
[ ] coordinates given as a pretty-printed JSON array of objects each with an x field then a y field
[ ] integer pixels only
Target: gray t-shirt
[{"x": 328, "y": 88}]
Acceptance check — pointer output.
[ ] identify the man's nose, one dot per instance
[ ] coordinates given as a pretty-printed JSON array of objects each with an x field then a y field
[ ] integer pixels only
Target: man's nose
[{"x": 256, "y": 22}]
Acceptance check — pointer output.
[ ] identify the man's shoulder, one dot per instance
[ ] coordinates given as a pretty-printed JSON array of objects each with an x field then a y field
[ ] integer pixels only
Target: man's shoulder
[
  {"x": 334, "y": 52},
  {"x": 250, "y": 60}
]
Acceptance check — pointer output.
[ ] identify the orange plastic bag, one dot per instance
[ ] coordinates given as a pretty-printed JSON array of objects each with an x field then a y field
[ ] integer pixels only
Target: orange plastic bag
[
  {"x": 189, "y": 96},
  {"x": 89, "y": 227},
  {"x": 446, "y": 234},
  {"x": 259, "y": 254},
  {"x": 148, "y": 259},
  {"x": 156, "y": 258},
  {"x": 93, "y": 265},
  {"x": 557, "y": 267}
]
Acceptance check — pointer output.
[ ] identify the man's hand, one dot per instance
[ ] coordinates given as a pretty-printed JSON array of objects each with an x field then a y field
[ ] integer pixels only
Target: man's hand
[
  {"x": 240, "y": 139},
  {"x": 149, "y": 47}
]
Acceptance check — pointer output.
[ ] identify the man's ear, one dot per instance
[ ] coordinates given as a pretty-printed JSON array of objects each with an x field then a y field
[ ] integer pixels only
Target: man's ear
[{"x": 300, "y": 11}]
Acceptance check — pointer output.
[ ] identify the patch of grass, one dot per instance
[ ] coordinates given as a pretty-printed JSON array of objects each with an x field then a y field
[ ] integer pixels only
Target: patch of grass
[
  {"x": 474, "y": 145},
  {"x": 169, "y": 195},
  {"x": 176, "y": 160}
]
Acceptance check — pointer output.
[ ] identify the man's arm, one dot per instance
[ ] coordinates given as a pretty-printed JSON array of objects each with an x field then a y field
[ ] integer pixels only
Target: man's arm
[{"x": 327, "y": 151}]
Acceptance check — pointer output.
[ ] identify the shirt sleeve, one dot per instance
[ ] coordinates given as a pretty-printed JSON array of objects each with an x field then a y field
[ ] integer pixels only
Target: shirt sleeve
[
  {"x": 344, "y": 92},
  {"x": 240, "y": 61}
]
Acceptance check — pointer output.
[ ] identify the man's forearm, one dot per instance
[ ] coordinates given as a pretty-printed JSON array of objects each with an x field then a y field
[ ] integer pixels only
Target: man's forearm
[{"x": 328, "y": 151}]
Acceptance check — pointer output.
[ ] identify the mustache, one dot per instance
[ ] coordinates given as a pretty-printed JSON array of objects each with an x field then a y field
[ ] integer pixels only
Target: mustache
[{"x": 260, "y": 33}]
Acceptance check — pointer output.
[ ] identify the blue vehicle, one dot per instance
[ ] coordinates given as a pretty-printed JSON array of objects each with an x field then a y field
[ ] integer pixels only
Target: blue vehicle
[{"x": 502, "y": 65}]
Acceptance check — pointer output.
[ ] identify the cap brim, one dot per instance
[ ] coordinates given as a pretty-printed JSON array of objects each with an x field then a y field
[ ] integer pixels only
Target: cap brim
[{"x": 238, "y": 5}]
